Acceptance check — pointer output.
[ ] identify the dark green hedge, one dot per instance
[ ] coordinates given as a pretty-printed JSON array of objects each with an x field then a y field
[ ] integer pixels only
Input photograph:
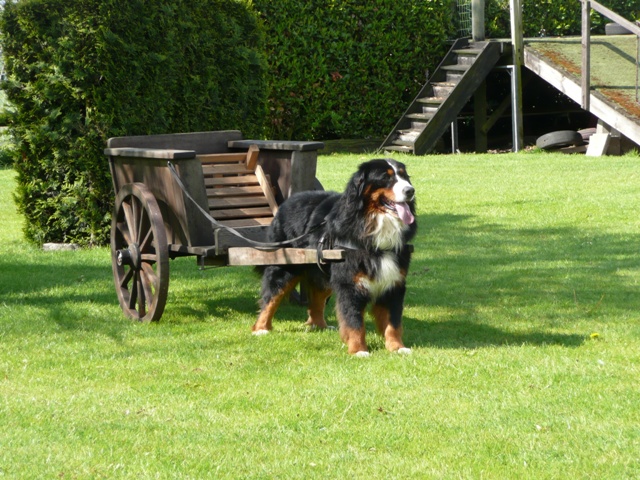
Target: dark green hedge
[
  {"x": 347, "y": 68},
  {"x": 82, "y": 71}
]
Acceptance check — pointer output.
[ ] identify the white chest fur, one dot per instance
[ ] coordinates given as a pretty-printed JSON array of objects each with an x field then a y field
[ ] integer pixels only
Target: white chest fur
[
  {"x": 388, "y": 277},
  {"x": 388, "y": 232}
]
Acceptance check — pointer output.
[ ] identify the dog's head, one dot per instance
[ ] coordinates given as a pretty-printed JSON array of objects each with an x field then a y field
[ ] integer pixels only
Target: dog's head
[{"x": 382, "y": 186}]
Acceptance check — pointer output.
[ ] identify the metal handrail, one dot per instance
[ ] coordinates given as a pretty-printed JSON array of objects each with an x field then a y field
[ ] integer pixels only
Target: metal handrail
[
  {"x": 611, "y": 15},
  {"x": 587, "y": 5}
]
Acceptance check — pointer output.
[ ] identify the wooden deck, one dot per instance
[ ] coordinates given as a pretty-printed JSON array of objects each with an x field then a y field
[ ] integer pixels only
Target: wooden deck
[{"x": 613, "y": 75}]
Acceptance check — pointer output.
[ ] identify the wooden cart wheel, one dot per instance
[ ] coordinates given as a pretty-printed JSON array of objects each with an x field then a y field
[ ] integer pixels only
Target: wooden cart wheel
[{"x": 140, "y": 254}]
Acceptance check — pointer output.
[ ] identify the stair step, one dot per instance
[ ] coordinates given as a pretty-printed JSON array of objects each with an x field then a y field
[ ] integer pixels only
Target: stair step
[
  {"x": 468, "y": 51},
  {"x": 407, "y": 136},
  {"x": 412, "y": 131},
  {"x": 418, "y": 125},
  {"x": 404, "y": 143},
  {"x": 456, "y": 68},
  {"x": 454, "y": 76},
  {"x": 431, "y": 100},
  {"x": 422, "y": 117},
  {"x": 466, "y": 60},
  {"x": 442, "y": 89},
  {"x": 398, "y": 148},
  {"x": 430, "y": 109}
]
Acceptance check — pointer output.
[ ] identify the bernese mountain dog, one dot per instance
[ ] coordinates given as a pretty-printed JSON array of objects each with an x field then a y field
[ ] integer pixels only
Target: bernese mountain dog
[{"x": 372, "y": 220}]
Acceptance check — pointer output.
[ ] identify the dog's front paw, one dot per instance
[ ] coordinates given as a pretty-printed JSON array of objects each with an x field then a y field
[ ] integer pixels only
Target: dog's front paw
[
  {"x": 362, "y": 354},
  {"x": 260, "y": 332},
  {"x": 404, "y": 351}
]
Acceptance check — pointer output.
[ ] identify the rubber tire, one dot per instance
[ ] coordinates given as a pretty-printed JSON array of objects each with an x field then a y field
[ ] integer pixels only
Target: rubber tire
[
  {"x": 563, "y": 138},
  {"x": 615, "y": 29}
]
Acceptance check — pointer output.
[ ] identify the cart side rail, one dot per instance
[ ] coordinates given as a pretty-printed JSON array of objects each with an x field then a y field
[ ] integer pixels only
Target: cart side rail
[
  {"x": 199, "y": 142},
  {"x": 184, "y": 224}
]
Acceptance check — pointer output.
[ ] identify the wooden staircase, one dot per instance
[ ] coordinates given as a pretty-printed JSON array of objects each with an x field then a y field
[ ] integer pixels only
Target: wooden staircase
[{"x": 461, "y": 72}]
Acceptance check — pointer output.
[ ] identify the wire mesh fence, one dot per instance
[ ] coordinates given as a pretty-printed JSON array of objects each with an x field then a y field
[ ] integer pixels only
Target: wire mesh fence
[{"x": 463, "y": 8}]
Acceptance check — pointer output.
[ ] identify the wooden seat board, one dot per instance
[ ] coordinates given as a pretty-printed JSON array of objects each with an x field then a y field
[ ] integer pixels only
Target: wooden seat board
[
  {"x": 221, "y": 192},
  {"x": 218, "y": 158},
  {"x": 243, "y": 213},
  {"x": 247, "y": 222},
  {"x": 239, "y": 194},
  {"x": 240, "y": 180},
  {"x": 226, "y": 169},
  {"x": 237, "y": 202}
]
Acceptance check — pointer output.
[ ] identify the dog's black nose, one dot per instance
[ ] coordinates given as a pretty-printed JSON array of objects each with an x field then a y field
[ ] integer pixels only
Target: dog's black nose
[{"x": 409, "y": 192}]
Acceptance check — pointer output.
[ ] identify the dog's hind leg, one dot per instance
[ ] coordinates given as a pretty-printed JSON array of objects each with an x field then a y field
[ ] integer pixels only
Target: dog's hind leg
[
  {"x": 277, "y": 283},
  {"x": 317, "y": 301}
]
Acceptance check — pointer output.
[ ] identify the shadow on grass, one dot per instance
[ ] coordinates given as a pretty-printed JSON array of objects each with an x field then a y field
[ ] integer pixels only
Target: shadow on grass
[
  {"x": 456, "y": 334},
  {"x": 458, "y": 262},
  {"x": 481, "y": 275},
  {"x": 463, "y": 270}
]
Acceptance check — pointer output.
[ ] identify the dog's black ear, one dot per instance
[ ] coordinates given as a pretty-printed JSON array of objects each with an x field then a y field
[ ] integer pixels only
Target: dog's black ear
[{"x": 355, "y": 188}]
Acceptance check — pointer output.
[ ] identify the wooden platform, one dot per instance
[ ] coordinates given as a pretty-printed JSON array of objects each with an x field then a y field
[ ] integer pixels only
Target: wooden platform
[{"x": 612, "y": 97}]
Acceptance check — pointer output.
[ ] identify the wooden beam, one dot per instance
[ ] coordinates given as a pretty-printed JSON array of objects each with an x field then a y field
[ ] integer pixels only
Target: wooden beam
[
  {"x": 281, "y": 256},
  {"x": 499, "y": 111},
  {"x": 480, "y": 117},
  {"x": 218, "y": 158},
  {"x": 572, "y": 89},
  {"x": 252, "y": 157},
  {"x": 266, "y": 189},
  {"x": 611, "y": 15}
]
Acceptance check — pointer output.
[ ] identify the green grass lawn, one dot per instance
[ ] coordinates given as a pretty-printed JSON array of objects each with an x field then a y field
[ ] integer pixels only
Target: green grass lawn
[{"x": 523, "y": 313}]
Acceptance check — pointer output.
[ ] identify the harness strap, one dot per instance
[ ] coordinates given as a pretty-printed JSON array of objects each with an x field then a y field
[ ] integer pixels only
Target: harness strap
[
  {"x": 319, "y": 257},
  {"x": 231, "y": 230}
]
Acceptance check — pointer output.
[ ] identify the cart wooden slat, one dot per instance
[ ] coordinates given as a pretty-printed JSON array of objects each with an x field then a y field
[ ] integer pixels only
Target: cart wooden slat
[{"x": 239, "y": 182}]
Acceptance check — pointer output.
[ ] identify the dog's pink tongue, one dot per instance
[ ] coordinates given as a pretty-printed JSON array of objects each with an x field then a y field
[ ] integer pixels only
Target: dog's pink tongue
[{"x": 404, "y": 213}]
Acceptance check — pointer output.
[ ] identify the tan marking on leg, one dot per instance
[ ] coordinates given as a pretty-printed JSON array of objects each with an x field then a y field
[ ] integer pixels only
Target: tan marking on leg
[
  {"x": 352, "y": 337},
  {"x": 317, "y": 301},
  {"x": 264, "y": 322},
  {"x": 392, "y": 335}
]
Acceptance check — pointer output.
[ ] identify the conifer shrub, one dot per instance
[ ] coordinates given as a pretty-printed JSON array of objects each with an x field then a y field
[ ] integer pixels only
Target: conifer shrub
[{"x": 80, "y": 72}]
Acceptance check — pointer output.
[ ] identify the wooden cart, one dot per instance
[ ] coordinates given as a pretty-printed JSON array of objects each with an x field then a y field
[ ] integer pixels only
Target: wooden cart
[{"x": 240, "y": 183}]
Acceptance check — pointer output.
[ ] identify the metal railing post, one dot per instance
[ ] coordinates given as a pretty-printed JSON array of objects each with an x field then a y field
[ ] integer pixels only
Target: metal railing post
[{"x": 586, "y": 53}]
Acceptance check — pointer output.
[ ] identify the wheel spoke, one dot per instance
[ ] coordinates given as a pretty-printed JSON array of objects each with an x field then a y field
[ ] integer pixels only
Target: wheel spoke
[
  {"x": 129, "y": 216},
  {"x": 149, "y": 258},
  {"x": 142, "y": 301},
  {"x": 146, "y": 285},
  {"x": 124, "y": 231},
  {"x": 125, "y": 278},
  {"x": 143, "y": 213},
  {"x": 146, "y": 241},
  {"x": 151, "y": 275},
  {"x": 133, "y": 296}
]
